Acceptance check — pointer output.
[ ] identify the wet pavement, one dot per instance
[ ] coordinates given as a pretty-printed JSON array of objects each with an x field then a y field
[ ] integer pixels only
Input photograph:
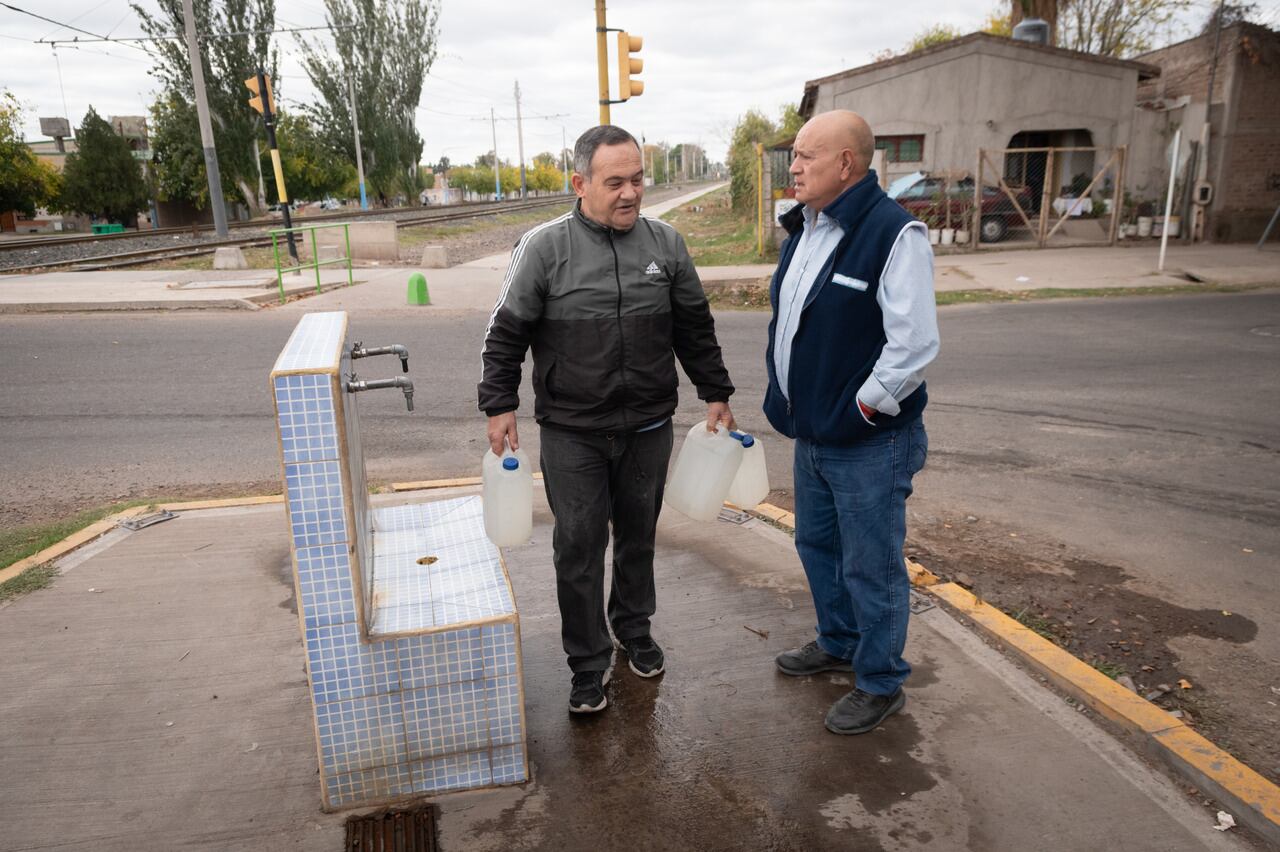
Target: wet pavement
[{"x": 155, "y": 698}]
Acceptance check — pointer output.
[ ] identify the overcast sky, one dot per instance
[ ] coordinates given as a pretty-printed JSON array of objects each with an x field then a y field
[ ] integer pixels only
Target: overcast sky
[{"x": 705, "y": 62}]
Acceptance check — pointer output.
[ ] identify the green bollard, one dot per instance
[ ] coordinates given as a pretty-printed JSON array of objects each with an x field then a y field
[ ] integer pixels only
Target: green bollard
[{"x": 418, "y": 294}]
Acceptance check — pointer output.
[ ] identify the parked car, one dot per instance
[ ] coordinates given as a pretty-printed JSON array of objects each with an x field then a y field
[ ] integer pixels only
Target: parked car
[{"x": 922, "y": 196}]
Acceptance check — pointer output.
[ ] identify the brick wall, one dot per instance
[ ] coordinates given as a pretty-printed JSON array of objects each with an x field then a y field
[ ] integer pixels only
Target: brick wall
[{"x": 1250, "y": 182}]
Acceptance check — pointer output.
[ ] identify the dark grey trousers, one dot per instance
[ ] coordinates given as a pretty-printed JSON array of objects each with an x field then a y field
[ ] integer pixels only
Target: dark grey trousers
[{"x": 592, "y": 479}]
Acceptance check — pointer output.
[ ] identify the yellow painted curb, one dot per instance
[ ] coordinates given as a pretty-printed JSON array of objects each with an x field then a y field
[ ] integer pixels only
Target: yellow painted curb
[
  {"x": 227, "y": 503},
  {"x": 431, "y": 484},
  {"x": 1252, "y": 799}
]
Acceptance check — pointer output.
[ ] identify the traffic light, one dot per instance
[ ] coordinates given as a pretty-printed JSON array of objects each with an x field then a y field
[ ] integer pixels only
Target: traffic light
[
  {"x": 628, "y": 65},
  {"x": 256, "y": 100}
]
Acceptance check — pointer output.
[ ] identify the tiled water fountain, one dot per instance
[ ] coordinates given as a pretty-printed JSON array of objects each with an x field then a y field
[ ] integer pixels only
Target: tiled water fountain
[{"x": 410, "y": 627}]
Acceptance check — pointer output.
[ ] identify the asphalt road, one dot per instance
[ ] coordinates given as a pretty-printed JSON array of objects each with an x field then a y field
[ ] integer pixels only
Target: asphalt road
[{"x": 1142, "y": 433}]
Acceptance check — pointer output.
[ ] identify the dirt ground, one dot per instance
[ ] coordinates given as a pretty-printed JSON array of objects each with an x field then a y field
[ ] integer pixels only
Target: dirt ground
[{"x": 1093, "y": 610}]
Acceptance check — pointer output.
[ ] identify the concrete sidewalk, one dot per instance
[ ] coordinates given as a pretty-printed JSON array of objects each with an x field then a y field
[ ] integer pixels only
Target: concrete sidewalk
[
  {"x": 1077, "y": 268},
  {"x": 156, "y": 698}
]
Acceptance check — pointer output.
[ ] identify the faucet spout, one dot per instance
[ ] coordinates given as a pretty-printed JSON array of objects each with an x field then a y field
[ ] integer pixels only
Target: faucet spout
[
  {"x": 359, "y": 350},
  {"x": 358, "y": 385}
]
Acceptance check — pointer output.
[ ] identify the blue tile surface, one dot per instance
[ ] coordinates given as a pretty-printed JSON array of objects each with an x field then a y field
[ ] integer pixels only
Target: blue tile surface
[
  {"x": 308, "y": 424},
  {"x": 316, "y": 505},
  {"x": 324, "y": 576},
  {"x": 446, "y": 719},
  {"x": 343, "y": 667},
  {"x": 362, "y": 733},
  {"x": 455, "y": 656},
  {"x": 454, "y": 772}
]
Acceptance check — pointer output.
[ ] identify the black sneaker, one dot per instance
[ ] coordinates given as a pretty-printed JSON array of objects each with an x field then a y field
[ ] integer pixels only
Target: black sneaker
[
  {"x": 644, "y": 656},
  {"x": 810, "y": 660},
  {"x": 859, "y": 712},
  {"x": 587, "y": 694}
]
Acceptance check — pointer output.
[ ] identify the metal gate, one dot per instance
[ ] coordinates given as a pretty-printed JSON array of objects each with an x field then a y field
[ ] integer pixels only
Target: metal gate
[{"x": 1037, "y": 197}]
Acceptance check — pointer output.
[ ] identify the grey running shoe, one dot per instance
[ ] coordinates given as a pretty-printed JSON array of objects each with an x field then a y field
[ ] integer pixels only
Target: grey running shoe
[
  {"x": 859, "y": 712},
  {"x": 810, "y": 660}
]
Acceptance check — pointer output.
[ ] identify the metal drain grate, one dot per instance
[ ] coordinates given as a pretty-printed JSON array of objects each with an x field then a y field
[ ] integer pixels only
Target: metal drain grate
[
  {"x": 919, "y": 603},
  {"x": 408, "y": 830},
  {"x": 733, "y": 516}
]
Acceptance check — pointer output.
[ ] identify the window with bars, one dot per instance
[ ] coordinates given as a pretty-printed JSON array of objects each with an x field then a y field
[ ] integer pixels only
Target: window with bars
[{"x": 901, "y": 149}]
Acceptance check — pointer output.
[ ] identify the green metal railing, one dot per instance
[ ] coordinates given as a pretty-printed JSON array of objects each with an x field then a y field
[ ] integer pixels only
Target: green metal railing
[{"x": 316, "y": 262}]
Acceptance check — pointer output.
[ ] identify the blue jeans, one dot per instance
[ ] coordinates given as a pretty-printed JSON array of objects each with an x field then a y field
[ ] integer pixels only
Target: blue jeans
[{"x": 851, "y": 521}]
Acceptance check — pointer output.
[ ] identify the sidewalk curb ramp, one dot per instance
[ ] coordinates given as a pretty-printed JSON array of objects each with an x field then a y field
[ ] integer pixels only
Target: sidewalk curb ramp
[{"x": 1252, "y": 800}]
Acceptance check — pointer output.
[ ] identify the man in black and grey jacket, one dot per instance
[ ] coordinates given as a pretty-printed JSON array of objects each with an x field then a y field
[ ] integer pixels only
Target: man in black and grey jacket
[{"x": 608, "y": 300}]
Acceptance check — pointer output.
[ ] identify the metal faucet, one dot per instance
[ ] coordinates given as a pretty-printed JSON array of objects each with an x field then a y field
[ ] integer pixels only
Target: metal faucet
[
  {"x": 358, "y": 350},
  {"x": 355, "y": 385}
]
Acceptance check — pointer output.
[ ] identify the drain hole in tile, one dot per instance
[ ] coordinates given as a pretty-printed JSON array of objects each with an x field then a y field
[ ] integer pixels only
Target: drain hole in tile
[
  {"x": 428, "y": 560},
  {"x": 404, "y": 830}
]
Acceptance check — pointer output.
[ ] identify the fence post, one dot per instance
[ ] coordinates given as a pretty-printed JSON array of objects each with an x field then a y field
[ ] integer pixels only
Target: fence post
[
  {"x": 977, "y": 202},
  {"x": 346, "y": 237},
  {"x": 275, "y": 248},
  {"x": 1117, "y": 197},
  {"x": 1046, "y": 198},
  {"x": 760, "y": 199}
]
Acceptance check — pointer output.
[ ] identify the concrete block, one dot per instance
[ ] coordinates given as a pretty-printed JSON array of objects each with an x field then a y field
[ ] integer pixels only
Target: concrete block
[
  {"x": 435, "y": 257},
  {"x": 369, "y": 240},
  {"x": 229, "y": 257}
]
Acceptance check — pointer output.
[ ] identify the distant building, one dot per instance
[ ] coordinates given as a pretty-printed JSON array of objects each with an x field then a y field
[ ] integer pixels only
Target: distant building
[
  {"x": 54, "y": 152},
  {"x": 1242, "y": 138},
  {"x": 934, "y": 108}
]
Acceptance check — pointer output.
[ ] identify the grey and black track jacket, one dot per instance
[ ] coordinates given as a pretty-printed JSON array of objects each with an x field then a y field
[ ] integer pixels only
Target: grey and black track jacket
[{"x": 604, "y": 312}]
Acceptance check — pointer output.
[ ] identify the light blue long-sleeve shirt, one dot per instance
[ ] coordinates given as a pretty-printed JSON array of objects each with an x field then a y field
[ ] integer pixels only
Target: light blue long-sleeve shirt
[{"x": 905, "y": 297}]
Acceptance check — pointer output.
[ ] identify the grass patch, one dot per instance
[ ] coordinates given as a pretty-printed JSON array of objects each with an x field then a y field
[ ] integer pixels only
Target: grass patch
[
  {"x": 716, "y": 234},
  {"x": 37, "y": 577},
  {"x": 965, "y": 297},
  {"x": 1111, "y": 670},
  {"x": 1034, "y": 623},
  {"x": 18, "y": 544}
]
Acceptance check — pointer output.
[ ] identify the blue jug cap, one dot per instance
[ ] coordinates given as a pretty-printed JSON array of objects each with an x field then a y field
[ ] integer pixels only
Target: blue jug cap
[
  {"x": 510, "y": 463},
  {"x": 746, "y": 439}
]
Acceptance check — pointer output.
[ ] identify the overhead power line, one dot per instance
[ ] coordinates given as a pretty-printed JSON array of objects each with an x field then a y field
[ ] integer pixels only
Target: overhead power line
[
  {"x": 203, "y": 37},
  {"x": 64, "y": 26}
]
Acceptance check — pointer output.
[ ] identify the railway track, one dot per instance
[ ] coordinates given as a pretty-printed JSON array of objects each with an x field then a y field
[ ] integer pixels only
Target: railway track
[{"x": 260, "y": 238}]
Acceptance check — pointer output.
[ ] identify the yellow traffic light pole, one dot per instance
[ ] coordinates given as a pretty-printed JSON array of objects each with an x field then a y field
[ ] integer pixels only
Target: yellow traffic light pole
[
  {"x": 627, "y": 64},
  {"x": 602, "y": 62},
  {"x": 260, "y": 85}
]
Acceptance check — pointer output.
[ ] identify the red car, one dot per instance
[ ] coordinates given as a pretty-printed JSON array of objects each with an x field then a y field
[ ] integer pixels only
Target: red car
[{"x": 921, "y": 195}]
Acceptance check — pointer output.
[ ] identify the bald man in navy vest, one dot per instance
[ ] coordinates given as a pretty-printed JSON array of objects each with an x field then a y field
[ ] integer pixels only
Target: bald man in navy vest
[{"x": 853, "y": 327}]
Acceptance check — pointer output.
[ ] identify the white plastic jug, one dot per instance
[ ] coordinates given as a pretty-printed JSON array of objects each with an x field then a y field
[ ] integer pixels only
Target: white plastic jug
[
  {"x": 704, "y": 469},
  {"x": 751, "y": 485},
  {"x": 508, "y": 498}
]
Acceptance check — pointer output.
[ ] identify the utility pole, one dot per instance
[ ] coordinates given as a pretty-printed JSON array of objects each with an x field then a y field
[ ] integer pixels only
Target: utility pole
[
  {"x": 206, "y": 126},
  {"x": 564, "y": 157},
  {"x": 497, "y": 185},
  {"x": 355, "y": 128},
  {"x": 524, "y": 186},
  {"x": 666, "y": 163},
  {"x": 602, "y": 62}
]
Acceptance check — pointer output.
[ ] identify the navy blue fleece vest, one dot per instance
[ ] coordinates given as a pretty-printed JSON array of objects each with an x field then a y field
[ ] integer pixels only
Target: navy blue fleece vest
[{"x": 841, "y": 330}]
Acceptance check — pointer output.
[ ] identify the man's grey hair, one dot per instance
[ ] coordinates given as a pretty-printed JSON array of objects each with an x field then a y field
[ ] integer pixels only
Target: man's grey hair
[{"x": 585, "y": 148}]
